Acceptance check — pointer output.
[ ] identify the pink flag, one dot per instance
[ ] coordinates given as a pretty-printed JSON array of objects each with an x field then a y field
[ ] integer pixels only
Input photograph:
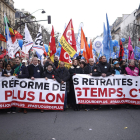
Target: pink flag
[{"x": 130, "y": 50}]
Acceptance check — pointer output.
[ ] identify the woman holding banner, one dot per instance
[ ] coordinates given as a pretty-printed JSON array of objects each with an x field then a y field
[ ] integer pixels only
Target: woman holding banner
[
  {"x": 133, "y": 71},
  {"x": 7, "y": 72},
  {"x": 75, "y": 69},
  {"x": 49, "y": 72}
]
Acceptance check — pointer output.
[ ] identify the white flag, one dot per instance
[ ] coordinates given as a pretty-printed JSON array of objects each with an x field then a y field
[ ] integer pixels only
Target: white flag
[
  {"x": 38, "y": 45},
  {"x": 11, "y": 47},
  {"x": 98, "y": 44},
  {"x": 78, "y": 40},
  {"x": 27, "y": 41}
]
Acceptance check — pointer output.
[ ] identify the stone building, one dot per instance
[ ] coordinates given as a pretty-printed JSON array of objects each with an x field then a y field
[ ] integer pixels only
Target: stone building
[{"x": 7, "y": 7}]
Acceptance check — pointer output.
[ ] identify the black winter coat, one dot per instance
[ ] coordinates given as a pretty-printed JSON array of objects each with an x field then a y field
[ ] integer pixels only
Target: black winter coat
[
  {"x": 23, "y": 72},
  {"x": 31, "y": 70},
  {"x": 63, "y": 76},
  {"x": 105, "y": 68},
  {"x": 5, "y": 72},
  {"x": 56, "y": 63},
  {"x": 73, "y": 70},
  {"x": 95, "y": 70},
  {"x": 46, "y": 65},
  {"x": 50, "y": 75}
]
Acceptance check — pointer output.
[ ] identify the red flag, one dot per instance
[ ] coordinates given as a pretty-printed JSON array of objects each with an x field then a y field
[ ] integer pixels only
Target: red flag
[
  {"x": 121, "y": 52},
  {"x": 52, "y": 46},
  {"x": 64, "y": 56},
  {"x": 44, "y": 50},
  {"x": 68, "y": 41},
  {"x": 2, "y": 38},
  {"x": 18, "y": 35}
]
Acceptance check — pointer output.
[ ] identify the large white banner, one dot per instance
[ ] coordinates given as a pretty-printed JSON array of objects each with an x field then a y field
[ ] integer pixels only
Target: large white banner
[
  {"x": 118, "y": 89},
  {"x": 35, "y": 94}
]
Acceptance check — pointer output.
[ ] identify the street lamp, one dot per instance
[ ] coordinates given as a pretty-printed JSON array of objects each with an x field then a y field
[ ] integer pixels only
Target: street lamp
[{"x": 21, "y": 23}]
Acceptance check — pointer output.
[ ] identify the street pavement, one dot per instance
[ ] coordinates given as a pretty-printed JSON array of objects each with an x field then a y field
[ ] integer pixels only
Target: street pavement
[{"x": 104, "y": 124}]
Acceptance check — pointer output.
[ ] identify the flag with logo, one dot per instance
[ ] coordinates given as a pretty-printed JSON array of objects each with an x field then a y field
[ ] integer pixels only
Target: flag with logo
[
  {"x": 68, "y": 41},
  {"x": 27, "y": 42},
  {"x": 52, "y": 46},
  {"x": 38, "y": 44},
  {"x": 64, "y": 56}
]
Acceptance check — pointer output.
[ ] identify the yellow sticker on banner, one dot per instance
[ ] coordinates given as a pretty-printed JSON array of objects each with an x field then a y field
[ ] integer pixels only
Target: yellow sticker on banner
[
  {"x": 67, "y": 47},
  {"x": 125, "y": 128}
]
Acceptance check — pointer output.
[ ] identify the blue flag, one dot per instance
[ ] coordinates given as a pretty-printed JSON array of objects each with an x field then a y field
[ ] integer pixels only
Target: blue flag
[
  {"x": 106, "y": 49},
  {"x": 100, "y": 54},
  {"x": 125, "y": 53},
  {"x": 109, "y": 37},
  {"x": 137, "y": 53}
]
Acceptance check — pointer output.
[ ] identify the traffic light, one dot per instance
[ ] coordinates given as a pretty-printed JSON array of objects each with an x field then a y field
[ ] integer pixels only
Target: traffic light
[{"x": 49, "y": 19}]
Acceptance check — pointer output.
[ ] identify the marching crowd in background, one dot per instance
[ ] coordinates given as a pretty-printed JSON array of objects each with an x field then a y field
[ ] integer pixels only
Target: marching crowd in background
[{"x": 57, "y": 71}]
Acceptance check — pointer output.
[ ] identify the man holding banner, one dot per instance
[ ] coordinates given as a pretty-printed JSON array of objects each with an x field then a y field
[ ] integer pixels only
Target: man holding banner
[
  {"x": 93, "y": 70},
  {"x": 20, "y": 71},
  {"x": 106, "y": 69},
  {"x": 62, "y": 75}
]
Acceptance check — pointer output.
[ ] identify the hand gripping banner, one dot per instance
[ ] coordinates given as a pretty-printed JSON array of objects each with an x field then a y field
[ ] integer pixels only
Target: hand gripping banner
[{"x": 118, "y": 89}]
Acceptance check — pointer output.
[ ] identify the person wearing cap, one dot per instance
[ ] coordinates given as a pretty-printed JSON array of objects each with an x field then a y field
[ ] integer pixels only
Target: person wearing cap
[
  {"x": 35, "y": 70},
  {"x": 116, "y": 69},
  {"x": 75, "y": 69}
]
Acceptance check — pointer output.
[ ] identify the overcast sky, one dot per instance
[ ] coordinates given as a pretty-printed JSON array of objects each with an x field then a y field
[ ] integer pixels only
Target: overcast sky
[{"x": 91, "y": 12}]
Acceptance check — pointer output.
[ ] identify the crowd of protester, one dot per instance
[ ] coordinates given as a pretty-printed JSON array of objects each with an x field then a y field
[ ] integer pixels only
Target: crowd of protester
[{"x": 33, "y": 69}]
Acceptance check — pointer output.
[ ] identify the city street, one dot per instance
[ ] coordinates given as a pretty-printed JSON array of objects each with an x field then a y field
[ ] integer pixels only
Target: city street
[{"x": 104, "y": 124}]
